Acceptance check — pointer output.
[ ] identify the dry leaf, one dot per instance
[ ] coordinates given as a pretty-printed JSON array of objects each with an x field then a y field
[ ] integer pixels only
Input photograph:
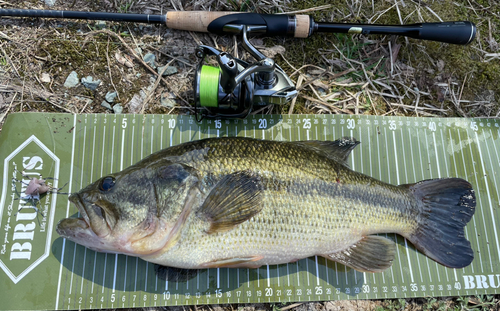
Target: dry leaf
[
  {"x": 123, "y": 60},
  {"x": 45, "y": 77}
]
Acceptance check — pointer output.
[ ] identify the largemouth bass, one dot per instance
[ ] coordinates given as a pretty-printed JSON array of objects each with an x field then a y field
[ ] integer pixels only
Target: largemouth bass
[{"x": 241, "y": 202}]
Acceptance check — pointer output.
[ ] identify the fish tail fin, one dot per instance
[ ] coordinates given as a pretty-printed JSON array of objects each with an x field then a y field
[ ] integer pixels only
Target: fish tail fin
[{"x": 446, "y": 206}]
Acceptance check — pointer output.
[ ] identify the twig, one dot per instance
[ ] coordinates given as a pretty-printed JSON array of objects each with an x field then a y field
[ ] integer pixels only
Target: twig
[
  {"x": 5, "y": 36},
  {"x": 462, "y": 89},
  {"x": 173, "y": 57},
  {"x": 371, "y": 101},
  {"x": 380, "y": 15},
  {"x": 417, "y": 101},
  {"x": 454, "y": 100},
  {"x": 262, "y": 109},
  {"x": 419, "y": 107},
  {"x": 22, "y": 94},
  {"x": 326, "y": 104},
  {"x": 299, "y": 83},
  {"x": 8, "y": 108},
  {"x": 133, "y": 39},
  {"x": 392, "y": 61},
  {"x": 388, "y": 95},
  {"x": 7, "y": 58},
  {"x": 44, "y": 95},
  {"x": 85, "y": 106},
  {"x": 292, "y": 306},
  {"x": 109, "y": 70},
  {"x": 318, "y": 8},
  {"x": 334, "y": 76},
  {"x": 434, "y": 13},
  {"x": 151, "y": 92},
  {"x": 235, "y": 52}
]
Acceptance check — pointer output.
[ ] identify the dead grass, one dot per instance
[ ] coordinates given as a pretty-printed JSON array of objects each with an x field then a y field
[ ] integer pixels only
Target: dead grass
[
  {"x": 335, "y": 73},
  {"x": 380, "y": 75}
]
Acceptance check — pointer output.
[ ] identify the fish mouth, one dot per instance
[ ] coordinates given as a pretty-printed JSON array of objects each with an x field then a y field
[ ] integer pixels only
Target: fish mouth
[
  {"x": 88, "y": 224},
  {"x": 77, "y": 201}
]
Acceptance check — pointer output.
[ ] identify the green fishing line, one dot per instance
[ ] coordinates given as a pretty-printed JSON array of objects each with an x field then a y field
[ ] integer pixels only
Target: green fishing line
[{"x": 209, "y": 86}]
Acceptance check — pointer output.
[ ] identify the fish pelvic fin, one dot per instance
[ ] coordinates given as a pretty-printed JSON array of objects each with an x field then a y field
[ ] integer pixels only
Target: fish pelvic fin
[
  {"x": 371, "y": 254},
  {"x": 338, "y": 150},
  {"x": 234, "y": 199},
  {"x": 446, "y": 205}
]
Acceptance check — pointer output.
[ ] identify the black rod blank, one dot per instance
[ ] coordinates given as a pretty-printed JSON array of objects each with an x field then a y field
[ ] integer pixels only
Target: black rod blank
[
  {"x": 103, "y": 16},
  {"x": 448, "y": 32}
]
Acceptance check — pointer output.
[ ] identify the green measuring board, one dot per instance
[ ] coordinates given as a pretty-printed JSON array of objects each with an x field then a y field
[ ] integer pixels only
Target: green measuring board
[{"x": 40, "y": 270}]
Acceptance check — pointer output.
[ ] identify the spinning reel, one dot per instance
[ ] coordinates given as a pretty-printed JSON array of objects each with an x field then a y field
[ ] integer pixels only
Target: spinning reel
[{"x": 235, "y": 87}]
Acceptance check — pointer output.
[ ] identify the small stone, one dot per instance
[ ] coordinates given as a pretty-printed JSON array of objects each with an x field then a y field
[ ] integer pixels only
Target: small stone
[
  {"x": 100, "y": 24},
  {"x": 110, "y": 97},
  {"x": 134, "y": 105},
  {"x": 169, "y": 71},
  {"x": 45, "y": 77},
  {"x": 166, "y": 100},
  {"x": 87, "y": 101},
  {"x": 117, "y": 109},
  {"x": 71, "y": 80},
  {"x": 150, "y": 59},
  {"x": 106, "y": 105},
  {"x": 50, "y": 2},
  {"x": 90, "y": 83},
  {"x": 440, "y": 65}
]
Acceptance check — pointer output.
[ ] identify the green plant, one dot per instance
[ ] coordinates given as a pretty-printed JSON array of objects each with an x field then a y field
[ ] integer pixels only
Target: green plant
[
  {"x": 276, "y": 306},
  {"x": 396, "y": 305},
  {"x": 476, "y": 303},
  {"x": 125, "y": 7}
]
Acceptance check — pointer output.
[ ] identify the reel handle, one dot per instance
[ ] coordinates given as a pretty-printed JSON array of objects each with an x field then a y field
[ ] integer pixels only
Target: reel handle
[{"x": 229, "y": 68}]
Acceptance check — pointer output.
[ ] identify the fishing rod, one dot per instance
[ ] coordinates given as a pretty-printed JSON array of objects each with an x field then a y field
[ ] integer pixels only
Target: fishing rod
[
  {"x": 299, "y": 26},
  {"x": 234, "y": 87}
]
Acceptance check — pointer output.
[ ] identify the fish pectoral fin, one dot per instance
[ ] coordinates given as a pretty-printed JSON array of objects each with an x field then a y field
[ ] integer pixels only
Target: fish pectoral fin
[
  {"x": 235, "y": 262},
  {"x": 338, "y": 150},
  {"x": 234, "y": 199},
  {"x": 371, "y": 254}
]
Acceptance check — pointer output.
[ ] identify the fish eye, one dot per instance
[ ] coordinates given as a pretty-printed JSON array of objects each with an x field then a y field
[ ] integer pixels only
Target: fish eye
[{"x": 107, "y": 183}]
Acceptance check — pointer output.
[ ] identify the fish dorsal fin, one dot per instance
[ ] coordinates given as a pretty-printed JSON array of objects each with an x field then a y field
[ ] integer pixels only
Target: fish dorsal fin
[
  {"x": 371, "y": 254},
  {"x": 234, "y": 199},
  {"x": 337, "y": 150}
]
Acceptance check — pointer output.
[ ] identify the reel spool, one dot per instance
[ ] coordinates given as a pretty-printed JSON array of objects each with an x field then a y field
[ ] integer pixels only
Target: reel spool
[{"x": 234, "y": 87}]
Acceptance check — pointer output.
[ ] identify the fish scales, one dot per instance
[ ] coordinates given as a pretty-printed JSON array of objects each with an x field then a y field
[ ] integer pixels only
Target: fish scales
[
  {"x": 243, "y": 202},
  {"x": 310, "y": 204}
]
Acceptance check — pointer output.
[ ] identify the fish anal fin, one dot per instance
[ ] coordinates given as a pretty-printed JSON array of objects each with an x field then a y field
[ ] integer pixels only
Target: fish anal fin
[
  {"x": 236, "y": 262},
  {"x": 338, "y": 150},
  {"x": 371, "y": 254},
  {"x": 234, "y": 199}
]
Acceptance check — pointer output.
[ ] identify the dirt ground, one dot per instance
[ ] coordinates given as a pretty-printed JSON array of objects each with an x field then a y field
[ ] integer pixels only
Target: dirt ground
[{"x": 335, "y": 73}]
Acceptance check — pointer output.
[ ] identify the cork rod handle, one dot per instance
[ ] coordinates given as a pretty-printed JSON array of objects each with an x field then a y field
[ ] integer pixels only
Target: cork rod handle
[
  {"x": 193, "y": 20},
  {"x": 199, "y": 21}
]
